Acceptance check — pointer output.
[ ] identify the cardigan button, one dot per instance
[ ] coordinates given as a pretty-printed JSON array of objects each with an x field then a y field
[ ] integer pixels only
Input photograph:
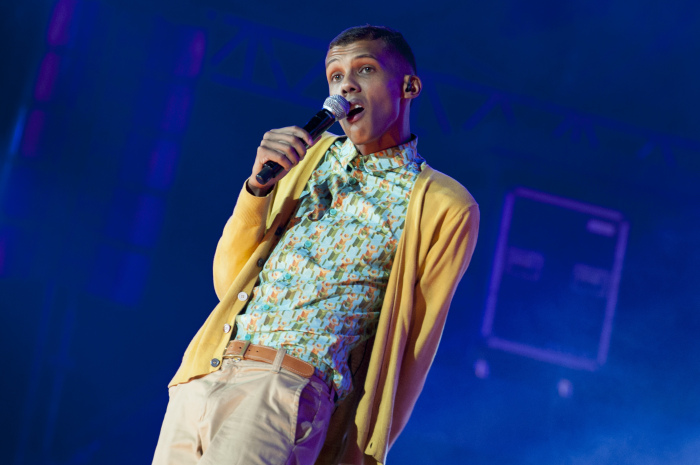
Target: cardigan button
[
  {"x": 227, "y": 328},
  {"x": 261, "y": 262},
  {"x": 242, "y": 296},
  {"x": 215, "y": 362}
]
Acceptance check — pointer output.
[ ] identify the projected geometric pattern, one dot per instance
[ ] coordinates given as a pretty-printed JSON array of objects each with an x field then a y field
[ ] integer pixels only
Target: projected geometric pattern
[{"x": 555, "y": 280}]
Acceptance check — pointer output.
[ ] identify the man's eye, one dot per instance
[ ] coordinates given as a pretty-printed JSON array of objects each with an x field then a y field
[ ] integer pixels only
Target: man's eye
[
  {"x": 336, "y": 77},
  {"x": 366, "y": 69}
]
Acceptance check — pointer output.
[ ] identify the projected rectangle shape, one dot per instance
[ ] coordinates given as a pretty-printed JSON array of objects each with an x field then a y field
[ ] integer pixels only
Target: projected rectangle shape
[{"x": 554, "y": 285}]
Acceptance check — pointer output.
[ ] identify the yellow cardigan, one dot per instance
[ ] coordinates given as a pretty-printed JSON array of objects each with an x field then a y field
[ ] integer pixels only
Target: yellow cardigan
[{"x": 432, "y": 255}]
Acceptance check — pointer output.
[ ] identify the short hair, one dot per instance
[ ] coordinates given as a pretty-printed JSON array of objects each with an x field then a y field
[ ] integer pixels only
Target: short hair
[{"x": 392, "y": 38}]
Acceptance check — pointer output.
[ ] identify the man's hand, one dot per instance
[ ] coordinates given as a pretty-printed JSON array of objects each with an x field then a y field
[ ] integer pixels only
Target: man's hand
[{"x": 285, "y": 147}]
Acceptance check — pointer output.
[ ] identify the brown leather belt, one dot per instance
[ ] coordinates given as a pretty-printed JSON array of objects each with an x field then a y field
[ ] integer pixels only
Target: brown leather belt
[{"x": 244, "y": 350}]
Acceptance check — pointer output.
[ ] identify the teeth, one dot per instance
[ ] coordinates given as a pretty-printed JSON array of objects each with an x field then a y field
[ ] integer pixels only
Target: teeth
[{"x": 355, "y": 109}]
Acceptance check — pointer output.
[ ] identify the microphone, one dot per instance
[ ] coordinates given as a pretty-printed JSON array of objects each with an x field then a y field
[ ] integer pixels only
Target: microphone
[{"x": 334, "y": 108}]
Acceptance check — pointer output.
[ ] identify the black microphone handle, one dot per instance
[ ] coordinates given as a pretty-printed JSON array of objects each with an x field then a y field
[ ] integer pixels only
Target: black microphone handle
[{"x": 321, "y": 121}]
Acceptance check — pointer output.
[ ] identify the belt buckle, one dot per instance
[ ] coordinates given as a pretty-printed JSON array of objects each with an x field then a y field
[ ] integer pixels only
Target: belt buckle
[{"x": 239, "y": 357}]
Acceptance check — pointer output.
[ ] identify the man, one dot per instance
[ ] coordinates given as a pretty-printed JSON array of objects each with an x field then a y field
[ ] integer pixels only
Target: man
[{"x": 334, "y": 280}]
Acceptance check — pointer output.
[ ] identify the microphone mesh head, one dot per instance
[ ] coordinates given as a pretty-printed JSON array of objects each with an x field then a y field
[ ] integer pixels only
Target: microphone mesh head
[{"x": 337, "y": 105}]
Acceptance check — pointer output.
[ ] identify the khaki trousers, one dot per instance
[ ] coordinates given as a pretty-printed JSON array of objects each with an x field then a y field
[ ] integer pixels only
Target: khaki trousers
[{"x": 247, "y": 413}]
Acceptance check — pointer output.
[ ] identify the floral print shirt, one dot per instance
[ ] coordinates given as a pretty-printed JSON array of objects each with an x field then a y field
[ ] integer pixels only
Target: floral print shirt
[{"x": 321, "y": 290}]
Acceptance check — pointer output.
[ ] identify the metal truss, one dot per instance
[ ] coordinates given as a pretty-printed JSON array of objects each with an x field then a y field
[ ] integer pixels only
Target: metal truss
[
  {"x": 255, "y": 37},
  {"x": 257, "y": 42}
]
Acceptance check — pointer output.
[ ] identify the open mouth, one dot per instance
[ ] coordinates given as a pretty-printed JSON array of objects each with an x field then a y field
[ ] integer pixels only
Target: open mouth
[{"x": 354, "y": 111}]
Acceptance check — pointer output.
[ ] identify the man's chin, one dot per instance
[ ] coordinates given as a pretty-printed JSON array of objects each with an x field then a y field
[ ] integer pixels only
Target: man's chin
[
  {"x": 360, "y": 138},
  {"x": 355, "y": 139},
  {"x": 352, "y": 134}
]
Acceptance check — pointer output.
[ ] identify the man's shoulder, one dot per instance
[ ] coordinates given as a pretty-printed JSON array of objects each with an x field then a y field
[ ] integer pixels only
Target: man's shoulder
[{"x": 444, "y": 191}]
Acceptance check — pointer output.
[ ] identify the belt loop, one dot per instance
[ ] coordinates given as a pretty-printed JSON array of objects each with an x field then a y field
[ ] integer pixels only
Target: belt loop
[
  {"x": 244, "y": 349},
  {"x": 279, "y": 358}
]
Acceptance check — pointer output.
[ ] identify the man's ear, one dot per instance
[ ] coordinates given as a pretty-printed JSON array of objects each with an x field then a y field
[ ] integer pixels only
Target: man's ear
[{"x": 412, "y": 86}]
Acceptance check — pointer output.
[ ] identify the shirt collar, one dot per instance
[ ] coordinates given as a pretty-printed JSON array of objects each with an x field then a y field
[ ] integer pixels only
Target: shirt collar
[{"x": 385, "y": 160}]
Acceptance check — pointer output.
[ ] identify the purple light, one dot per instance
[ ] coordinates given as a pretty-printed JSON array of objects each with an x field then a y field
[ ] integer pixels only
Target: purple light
[
  {"x": 544, "y": 355},
  {"x": 46, "y": 80},
  {"x": 147, "y": 220},
  {"x": 32, "y": 133},
  {"x": 59, "y": 27},
  {"x": 499, "y": 262},
  {"x": 190, "y": 63},
  {"x": 161, "y": 167},
  {"x": 602, "y": 228},
  {"x": 612, "y": 296},
  {"x": 525, "y": 264},
  {"x": 18, "y": 131},
  {"x": 591, "y": 280},
  {"x": 568, "y": 204},
  {"x": 565, "y": 388},
  {"x": 481, "y": 369},
  {"x": 177, "y": 109},
  {"x": 594, "y": 285}
]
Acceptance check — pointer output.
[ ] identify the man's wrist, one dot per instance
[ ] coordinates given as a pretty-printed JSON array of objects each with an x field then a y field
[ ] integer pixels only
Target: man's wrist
[{"x": 257, "y": 191}]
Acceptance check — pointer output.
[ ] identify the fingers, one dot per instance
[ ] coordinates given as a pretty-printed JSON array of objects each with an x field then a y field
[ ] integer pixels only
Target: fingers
[
  {"x": 288, "y": 143},
  {"x": 283, "y": 146},
  {"x": 292, "y": 135},
  {"x": 282, "y": 153}
]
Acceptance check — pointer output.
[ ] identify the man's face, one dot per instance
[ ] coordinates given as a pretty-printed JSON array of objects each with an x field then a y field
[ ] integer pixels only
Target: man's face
[{"x": 371, "y": 78}]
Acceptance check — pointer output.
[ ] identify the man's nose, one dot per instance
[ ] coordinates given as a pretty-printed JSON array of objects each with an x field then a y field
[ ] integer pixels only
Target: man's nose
[{"x": 349, "y": 85}]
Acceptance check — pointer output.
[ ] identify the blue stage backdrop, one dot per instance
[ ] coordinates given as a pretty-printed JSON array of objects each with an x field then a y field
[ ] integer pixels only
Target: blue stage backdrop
[{"x": 127, "y": 129}]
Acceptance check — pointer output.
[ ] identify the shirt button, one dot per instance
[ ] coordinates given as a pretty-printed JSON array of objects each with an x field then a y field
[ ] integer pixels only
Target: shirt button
[
  {"x": 332, "y": 211},
  {"x": 287, "y": 276},
  {"x": 247, "y": 337},
  {"x": 242, "y": 296},
  {"x": 265, "y": 307},
  {"x": 261, "y": 262},
  {"x": 227, "y": 328},
  {"x": 308, "y": 244},
  {"x": 215, "y": 362}
]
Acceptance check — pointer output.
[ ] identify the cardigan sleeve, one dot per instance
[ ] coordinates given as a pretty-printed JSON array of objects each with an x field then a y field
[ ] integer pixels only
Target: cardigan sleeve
[
  {"x": 242, "y": 234},
  {"x": 246, "y": 227},
  {"x": 452, "y": 246}
]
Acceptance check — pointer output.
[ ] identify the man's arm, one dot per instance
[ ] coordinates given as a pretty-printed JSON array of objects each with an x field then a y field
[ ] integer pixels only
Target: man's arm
[
  {"x": 241, "y": 236},
  {"x": 445, "y": 264},
  {"x": 246, "y": 227}
]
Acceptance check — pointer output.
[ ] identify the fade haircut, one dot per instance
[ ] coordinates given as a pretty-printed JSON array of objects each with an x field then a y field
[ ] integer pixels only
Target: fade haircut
[{"x": 393, "y": 39}]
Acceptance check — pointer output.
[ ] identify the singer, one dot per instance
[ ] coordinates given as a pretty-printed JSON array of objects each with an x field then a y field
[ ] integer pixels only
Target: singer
[{"x": 334, "y": 278}]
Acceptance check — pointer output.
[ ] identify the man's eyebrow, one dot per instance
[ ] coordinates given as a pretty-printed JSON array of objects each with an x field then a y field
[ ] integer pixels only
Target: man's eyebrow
[{"x": 364, "y": 55}]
